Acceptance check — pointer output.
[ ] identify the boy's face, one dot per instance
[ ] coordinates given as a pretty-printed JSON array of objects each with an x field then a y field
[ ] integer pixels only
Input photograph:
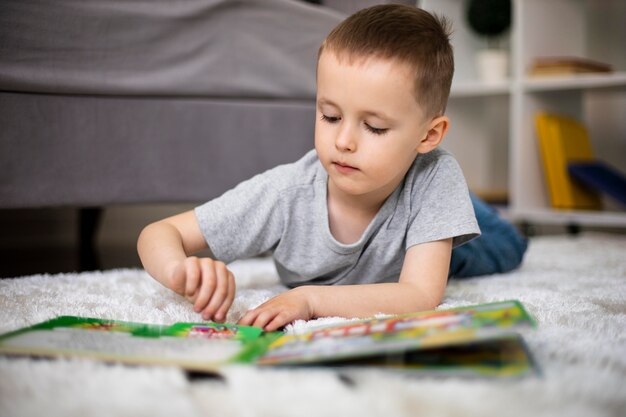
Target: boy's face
[{"x": 368, "y": 127}]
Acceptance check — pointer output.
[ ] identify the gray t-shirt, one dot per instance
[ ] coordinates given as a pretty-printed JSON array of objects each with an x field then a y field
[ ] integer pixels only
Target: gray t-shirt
[{"x": 284, "y": 210}]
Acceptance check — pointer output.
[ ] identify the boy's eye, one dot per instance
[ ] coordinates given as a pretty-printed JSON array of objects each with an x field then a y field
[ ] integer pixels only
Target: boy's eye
[
  {"x": 330, "y": 119},
  {"x": 376, "y": 130}
]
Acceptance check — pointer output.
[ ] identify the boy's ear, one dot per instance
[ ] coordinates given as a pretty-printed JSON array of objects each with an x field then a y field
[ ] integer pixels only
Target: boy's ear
[{"x": 436, "y": 131}]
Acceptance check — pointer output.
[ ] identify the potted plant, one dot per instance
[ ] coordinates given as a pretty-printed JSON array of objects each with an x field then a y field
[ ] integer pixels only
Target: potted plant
[{"x": 490, "y": 19}]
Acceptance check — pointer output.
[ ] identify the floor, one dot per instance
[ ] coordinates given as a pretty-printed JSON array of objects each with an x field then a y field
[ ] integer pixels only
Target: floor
[
  {"x": 18, "y": 262},
  {"x": 36, "y": 241}
]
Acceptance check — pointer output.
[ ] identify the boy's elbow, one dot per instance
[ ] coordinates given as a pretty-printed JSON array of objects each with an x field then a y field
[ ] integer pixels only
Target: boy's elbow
[
  {"x": 431, "y": 303},
  {"x": 421, "y": 299},
  {"x": 144, "y": 236},
  {"x": 144, "y": 232}
]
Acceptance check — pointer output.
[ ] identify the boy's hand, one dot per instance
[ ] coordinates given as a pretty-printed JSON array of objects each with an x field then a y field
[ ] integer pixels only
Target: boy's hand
[
  {"x": 289, "y": 306},
  {"x": 206, "y": 283}
]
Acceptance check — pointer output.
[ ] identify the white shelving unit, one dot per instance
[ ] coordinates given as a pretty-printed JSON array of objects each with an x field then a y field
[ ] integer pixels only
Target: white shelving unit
[
  {"x": 616, "y": 80},
  {"x": 493, "y": 129}
]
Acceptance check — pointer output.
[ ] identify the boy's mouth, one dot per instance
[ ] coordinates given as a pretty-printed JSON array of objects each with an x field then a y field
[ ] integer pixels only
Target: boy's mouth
[{"x": 344, "y": 168}]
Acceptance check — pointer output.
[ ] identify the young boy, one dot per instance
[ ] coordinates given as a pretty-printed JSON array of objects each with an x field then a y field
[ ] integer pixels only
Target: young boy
[{"x": 376, "y": 205}]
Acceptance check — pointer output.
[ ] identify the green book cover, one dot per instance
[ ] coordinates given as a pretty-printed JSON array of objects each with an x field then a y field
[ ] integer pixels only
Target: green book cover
[{"x": 474, "y": 340}]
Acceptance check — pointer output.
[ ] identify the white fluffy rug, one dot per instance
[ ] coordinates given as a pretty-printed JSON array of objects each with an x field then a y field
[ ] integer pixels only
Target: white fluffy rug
[{"x": 574, "y": 286}]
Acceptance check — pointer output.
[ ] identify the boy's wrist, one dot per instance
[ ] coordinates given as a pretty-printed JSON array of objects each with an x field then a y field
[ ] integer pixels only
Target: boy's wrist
[{"x": 311, "y": 296}]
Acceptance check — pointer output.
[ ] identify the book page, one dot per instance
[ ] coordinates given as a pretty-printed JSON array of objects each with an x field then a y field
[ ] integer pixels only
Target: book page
[
  {"x": 399, "y": 333},
  {"x": 124, "y": 345},
  {"x": 198, "y": 346}
]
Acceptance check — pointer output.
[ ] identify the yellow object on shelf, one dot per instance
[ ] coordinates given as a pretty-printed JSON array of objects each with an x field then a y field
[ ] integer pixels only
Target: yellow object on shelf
[{"x": 563, "y": 140}]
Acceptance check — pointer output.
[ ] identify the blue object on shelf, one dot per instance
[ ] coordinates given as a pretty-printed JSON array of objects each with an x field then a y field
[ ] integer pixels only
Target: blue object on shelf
[{"x": 600, "y": 176}]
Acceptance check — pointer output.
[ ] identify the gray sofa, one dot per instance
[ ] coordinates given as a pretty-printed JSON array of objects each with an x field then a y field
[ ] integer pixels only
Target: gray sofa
[
  {"x": 137, "y": 101},
  {"x": 150, "y": 101}
]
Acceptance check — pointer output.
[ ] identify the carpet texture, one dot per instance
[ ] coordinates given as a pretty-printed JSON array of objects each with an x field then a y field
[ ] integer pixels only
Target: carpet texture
[{"x": 574, "y": 286}]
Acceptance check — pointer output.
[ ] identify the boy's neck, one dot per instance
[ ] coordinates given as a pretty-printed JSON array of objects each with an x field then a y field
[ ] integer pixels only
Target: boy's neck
[
  {"x": 349, "y": 215},
  {"x": 366, "y": 203}
]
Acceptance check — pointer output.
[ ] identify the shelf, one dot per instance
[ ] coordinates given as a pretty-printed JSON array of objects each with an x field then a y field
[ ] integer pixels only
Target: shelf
[
  {"x": 539, "y": 84},
  {"x": 479, "y": 89},
  {"x": 568, "y": 217},
  {"x": 576, "y": 82},
  {"x": 492, "y": 130}
]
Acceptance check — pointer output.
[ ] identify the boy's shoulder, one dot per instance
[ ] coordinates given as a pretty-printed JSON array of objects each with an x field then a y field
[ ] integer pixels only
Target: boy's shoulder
[
  {"x": 303, "y": 172},
  {"x": 435, "y": 168},
  {"x": 436, "y": 154},
  {"x": 434, "y": 160}
]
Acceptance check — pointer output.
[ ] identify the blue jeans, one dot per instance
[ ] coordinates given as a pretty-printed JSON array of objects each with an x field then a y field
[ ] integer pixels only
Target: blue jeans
[{"x": 499, "y": 248}]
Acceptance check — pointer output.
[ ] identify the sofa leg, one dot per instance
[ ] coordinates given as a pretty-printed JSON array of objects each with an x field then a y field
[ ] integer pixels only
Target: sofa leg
[{"x": 89, "y": 220}]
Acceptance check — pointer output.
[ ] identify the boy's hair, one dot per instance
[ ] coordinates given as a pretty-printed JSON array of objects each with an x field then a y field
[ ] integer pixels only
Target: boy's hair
[{"x": 407, "y": 34}]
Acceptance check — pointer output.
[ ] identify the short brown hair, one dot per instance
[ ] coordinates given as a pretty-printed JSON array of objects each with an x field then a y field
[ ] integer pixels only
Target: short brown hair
[{"x": 408, "y": 34}]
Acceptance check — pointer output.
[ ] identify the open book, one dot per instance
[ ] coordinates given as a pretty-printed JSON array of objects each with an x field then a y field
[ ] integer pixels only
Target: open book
[{"x": 474, "y": 340}]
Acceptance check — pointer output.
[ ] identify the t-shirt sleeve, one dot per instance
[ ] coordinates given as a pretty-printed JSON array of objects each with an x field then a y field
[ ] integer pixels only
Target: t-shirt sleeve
[
  {"x": 442, "y": 207},
  {"x": 246, "y": 220}
]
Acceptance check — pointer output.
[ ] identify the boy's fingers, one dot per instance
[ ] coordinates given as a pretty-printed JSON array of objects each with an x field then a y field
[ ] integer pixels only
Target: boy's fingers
[
  {"x": 264, "y": 318},
  {"x": 221, "y": 313},
  {"x": 248, "y": 318},
  {"x": 279, "y": 321},
  {"x": 220, "y": 291},
  {"x": 207, "y": 286},
  {"x": 192, "y": 277}
]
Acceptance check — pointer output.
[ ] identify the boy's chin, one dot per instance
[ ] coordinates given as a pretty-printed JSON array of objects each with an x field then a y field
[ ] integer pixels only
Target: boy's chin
[{"x": 350, "y": 187}]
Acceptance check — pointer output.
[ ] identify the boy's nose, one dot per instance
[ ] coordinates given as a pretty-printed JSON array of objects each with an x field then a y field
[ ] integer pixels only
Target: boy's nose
[{"x": 345, "y": 140}]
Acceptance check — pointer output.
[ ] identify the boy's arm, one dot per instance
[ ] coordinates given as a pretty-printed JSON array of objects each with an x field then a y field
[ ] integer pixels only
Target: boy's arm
[
  {"x": 421, "y": 287},
  {"x": 165, "y": 248}
]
